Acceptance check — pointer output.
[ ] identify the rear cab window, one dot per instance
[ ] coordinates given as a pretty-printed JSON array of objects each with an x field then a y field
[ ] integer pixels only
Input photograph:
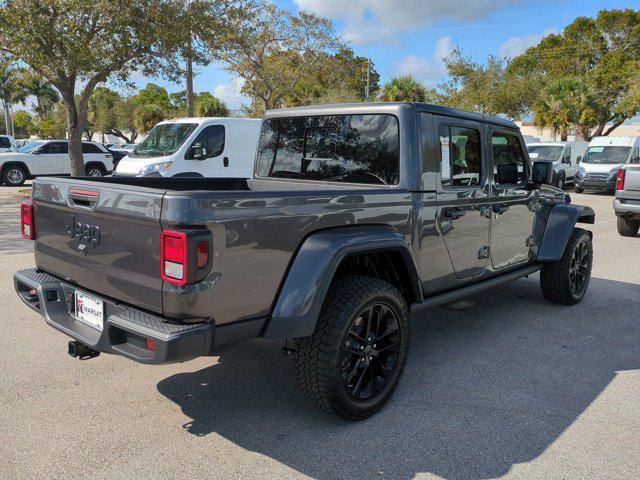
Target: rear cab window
[
  {"x": 335, "y": 148},
  {"x": 90, "y": 148}
]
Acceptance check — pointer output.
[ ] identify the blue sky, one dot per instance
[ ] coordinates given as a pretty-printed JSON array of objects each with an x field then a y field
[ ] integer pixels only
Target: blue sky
[{"x": 412, "y": 36}]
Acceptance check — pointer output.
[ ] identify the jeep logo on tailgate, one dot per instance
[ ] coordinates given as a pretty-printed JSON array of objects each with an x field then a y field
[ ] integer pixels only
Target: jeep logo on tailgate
[{"x": 86, "y": 233}]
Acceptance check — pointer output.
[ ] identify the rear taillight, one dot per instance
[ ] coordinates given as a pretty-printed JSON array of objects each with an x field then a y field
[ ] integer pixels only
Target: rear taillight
[
  {"x": 173, "y": 257},
  {"x": 620, "y": 180},
  {"x": 27, "y": 221},
  {"x": 185, "y": 255}
]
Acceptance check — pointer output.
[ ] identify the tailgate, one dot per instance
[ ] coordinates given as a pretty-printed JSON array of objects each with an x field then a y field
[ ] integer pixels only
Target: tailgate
[
  {"x": 632, "y": 178},
  {"x": 104, "y": 237}
]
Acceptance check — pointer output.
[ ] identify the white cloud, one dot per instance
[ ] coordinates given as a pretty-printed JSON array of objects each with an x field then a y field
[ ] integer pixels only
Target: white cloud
[
  {"x": 428, "y": 70},
  {"x": 230, "y": 93},
  {"x": 514, "y": 46},
  {"x": 368, "y": 21}
]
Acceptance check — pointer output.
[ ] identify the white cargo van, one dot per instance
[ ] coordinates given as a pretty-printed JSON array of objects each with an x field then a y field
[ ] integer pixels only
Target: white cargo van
[
  {"x": 564, "y": 155},
  {"x": 195, "y": 147},
  {"x": 602, "y": 160}
]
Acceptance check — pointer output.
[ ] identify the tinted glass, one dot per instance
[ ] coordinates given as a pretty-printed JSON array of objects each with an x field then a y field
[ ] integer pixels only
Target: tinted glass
[
  {"x": 212, "y": 139},
  {"x": 5, "y": 142},
  {"x": 606, "y": 155},
  {"x": 29, "y": 147},
  {"x": 56, "y": 147},
  {"x": 545, "y": 152},
  {"x": 90, "y": 148},
  {"x": 506, "y": 150},
  {"x": 337, "y": 148},
  {"x": 460, "y": 159},
  {"x": 164, "y": 139}
]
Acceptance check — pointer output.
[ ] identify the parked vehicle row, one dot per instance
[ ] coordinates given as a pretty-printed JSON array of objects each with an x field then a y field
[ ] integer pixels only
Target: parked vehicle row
[
  {"x": 604, "y": 157},
  {"x": 51, "y": 157},
  {"x": 356, "y": 216},
  {"x": 565, "y": 157}
]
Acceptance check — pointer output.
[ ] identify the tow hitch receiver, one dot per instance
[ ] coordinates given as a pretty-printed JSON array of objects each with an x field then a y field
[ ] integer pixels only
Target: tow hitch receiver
[{"x": 81, "y": 351}]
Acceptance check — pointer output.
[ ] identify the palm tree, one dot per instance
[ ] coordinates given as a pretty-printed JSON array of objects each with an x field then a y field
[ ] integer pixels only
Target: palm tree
[
  {"x": 10, "y": 88},
  {"x": 403, "y": 89},
  {"x": 565, "y": 104},
  {"x": 44, "y": 94}
]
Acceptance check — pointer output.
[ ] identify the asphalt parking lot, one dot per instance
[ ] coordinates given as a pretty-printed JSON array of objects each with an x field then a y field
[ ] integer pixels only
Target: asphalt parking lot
[{"x": 514, "y": 387}]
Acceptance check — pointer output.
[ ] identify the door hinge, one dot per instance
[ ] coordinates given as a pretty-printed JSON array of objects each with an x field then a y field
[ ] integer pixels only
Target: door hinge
[{"x": 483, "y": 252}]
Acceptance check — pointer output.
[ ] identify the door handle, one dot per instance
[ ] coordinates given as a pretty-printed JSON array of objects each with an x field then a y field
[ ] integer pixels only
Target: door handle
[
  {"x": 453, "y": 213},
  {"x": 225, "y": 161},
  {"x": 500, "y": 208}
]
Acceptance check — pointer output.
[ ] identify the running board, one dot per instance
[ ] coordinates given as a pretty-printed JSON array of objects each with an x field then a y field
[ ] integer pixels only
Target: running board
[{"x": 464, "y": 292}]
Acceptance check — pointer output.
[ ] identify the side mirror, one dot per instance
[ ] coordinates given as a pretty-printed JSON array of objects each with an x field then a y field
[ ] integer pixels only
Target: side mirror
[
  {"x": 198, "y": 151},
  {"x": 579, "y": 159},
  {"x": 507, "y": 173},
  {"x": 542, "y": 173}
]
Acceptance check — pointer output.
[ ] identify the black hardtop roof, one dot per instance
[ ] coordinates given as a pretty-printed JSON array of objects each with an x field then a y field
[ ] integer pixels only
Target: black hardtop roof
[{"x": 386, "y": 107}]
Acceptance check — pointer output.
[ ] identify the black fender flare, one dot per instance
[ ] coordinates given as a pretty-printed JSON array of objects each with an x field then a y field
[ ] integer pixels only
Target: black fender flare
[
  {"x": 312, "y": 270},
  {"x": 14, "y": 163},
  {"x": 560, "y": 223}
]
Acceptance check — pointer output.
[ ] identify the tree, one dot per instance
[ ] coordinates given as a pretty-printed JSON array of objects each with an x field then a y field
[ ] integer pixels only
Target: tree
[
  {"x": 404, "y": 89},
  {"x": 44, "y": 94},
  {"x": 147, "y": 116},
  {"x": 486, "y": 88},
  {"x": 604, "y": 54},
  {"x": 88, "y": 41},
  {"x": 273, "y": 50},
  {"x": 207, "y": 105},
  {"x": 566, "y": 104},
  {"x": 10, "y": 89},
  {"x": 23, "y": 124}
]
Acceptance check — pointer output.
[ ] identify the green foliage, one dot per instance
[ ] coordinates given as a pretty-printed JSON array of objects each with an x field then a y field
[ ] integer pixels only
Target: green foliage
[
  {"x": 603, "y": 53},
  {"x": 274, "y": 51},
  {"x": 23, "y": 124},
  {"x": 206, "y": 105},
  {"x": 147, "y": 116},
  {"x": 404, "y": 89}
]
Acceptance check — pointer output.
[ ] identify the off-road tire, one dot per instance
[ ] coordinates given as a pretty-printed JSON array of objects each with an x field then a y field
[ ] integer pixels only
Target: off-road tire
[
  {"x": 14, "y": 176},
  {"x": 318, "y": 358},
  {"x": 628, "y": 227},
  {"x": 555, "y": 278},
  {"x": 578, "y": 189}
]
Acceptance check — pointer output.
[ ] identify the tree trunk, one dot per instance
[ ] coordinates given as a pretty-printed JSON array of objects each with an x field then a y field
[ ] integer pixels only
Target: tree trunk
[
  {"x": 189, "y": 75},
  {"x": 7, "y": 117},
  {"x": 75, "y": 134}
]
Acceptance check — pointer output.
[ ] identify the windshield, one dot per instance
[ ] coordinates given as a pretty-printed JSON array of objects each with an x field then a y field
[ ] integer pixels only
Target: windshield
[
  {"x": 164, "y": 139},
  {"x": 546, "y": 152},
  {"x": 29, "y": 147},
  {"x": 606, "y": 155}
]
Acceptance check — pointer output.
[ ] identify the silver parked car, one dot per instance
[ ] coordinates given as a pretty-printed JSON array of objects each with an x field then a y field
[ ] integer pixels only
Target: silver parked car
[{"x": 627, "y": 201}]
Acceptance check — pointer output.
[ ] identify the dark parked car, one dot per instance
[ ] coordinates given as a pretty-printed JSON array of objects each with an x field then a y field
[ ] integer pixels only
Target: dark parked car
[{"x": 356, "y": 217}]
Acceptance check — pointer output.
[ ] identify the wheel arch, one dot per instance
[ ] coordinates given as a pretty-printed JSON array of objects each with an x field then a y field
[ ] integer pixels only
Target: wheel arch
[
  {"x": 15, "y": 164},
  {"x": 96, "y": 163},
  {"x": 560, "y": 223},
  {"x": 324, "y": 256}
]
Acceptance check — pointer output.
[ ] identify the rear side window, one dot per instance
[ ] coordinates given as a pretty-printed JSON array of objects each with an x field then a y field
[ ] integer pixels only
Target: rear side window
[
  {"x": 56, "y": 147},
  {"x": 460, "y": 156},
  {"x": 90, "y": 148},
  {"x": 507, "y": 151},
  {"x": 5, "y": 142},
  {"x": 336, "y": 148},
  {"x": 212, "y": 139}
]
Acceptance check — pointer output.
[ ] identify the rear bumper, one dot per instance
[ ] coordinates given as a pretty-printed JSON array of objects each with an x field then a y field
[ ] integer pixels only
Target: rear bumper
[
  {"x": 125, "y": 328},
  {"x": 625, "y": 208}
]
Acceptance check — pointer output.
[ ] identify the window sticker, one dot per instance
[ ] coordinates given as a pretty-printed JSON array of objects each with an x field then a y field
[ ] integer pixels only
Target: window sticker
[
  {"x": 445, "y": 161},
  {"x": 596, "y": 149}
]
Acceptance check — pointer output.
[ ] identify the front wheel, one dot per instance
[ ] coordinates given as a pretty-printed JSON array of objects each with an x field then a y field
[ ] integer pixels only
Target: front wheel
[
  {"x": 354, "y": 360},
  {"x": 14, "y": 176},
  {"x": 578, "y": 189},
  {"x": 566, "y": 281},
  {"x": 628, "y": 227},
  {"x": 561, "y": 181}
]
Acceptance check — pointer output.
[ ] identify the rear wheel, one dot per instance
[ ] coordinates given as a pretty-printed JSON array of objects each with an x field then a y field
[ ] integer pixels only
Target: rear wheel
[
  {"x": 628, "y": 227},
  {"x": 566, "y": 281},
  {"x": 95, "y": 171},
  {"x": 353, "y": 361},
  {"x": 14, "y": 176}
]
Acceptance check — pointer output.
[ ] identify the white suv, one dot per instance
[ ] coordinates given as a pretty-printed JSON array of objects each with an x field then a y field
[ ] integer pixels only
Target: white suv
[{"x": 51, "y": 157}]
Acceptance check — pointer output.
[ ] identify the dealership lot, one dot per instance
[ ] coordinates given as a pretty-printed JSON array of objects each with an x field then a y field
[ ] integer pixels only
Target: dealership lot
[{"x": 514, "y": 387}]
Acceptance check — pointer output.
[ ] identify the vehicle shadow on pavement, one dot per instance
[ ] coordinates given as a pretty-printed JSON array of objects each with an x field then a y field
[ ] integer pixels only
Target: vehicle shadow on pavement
[{"x": 484, "y": 389}]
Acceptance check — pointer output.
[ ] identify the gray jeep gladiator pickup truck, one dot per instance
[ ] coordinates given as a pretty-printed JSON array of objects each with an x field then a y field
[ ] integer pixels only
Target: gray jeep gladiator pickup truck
[
  {"x": 627, "y": 201},
  {"x": 356, "y": 216}
]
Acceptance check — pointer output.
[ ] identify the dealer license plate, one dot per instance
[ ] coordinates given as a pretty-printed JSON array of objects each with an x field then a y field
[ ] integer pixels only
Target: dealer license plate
[{"x": 89, "y": 310}]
